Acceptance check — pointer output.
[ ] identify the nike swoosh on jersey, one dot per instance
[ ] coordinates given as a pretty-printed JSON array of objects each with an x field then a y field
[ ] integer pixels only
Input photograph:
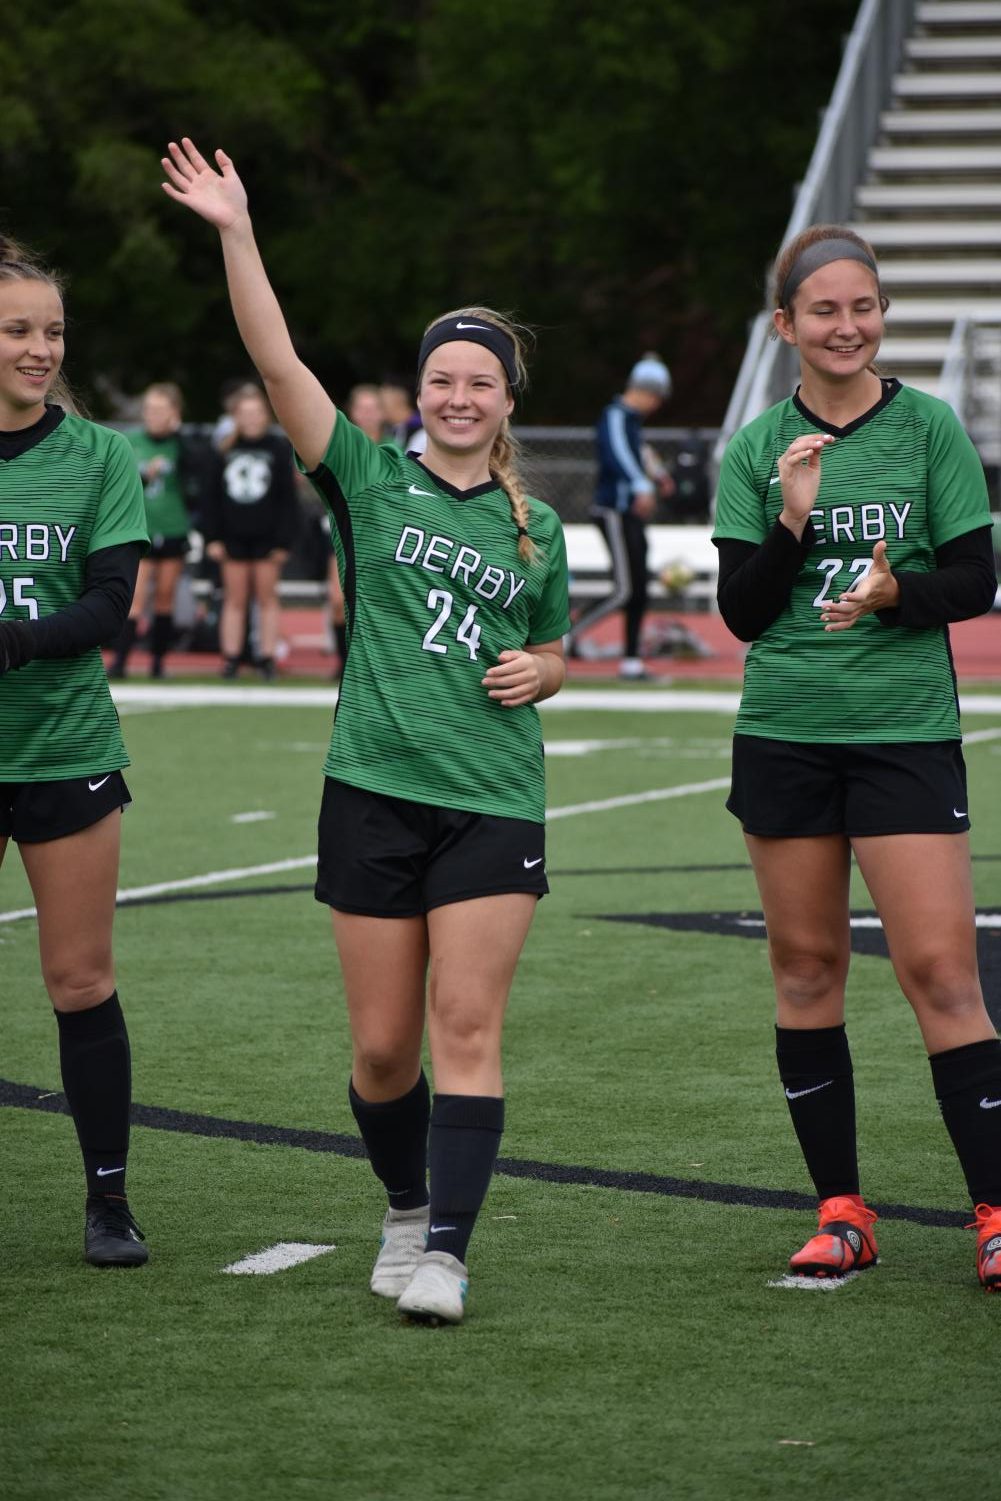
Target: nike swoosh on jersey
[{"x": 414, "y": 491}]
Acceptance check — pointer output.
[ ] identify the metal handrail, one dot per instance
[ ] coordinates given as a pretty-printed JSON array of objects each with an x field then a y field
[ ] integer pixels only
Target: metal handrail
[
  {"x": 872, "y": 53},
  {"x": 953, "y": 384}
]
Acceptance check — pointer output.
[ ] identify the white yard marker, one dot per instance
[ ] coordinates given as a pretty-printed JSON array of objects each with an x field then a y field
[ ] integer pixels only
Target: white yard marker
[
  {"x": 258, "y": 817},
  {"x": 277, "y": 1258},
  {"x": 814, "y": 1284}
]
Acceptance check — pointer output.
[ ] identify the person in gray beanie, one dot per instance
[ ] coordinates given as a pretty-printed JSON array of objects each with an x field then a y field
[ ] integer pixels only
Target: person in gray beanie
[{"x": 625, "y": 500}]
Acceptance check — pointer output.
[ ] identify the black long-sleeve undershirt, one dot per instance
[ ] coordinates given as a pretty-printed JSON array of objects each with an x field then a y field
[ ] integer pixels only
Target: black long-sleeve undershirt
[
  {"x": 92, "y": 620},
  {"x": 756, "y": 580}
]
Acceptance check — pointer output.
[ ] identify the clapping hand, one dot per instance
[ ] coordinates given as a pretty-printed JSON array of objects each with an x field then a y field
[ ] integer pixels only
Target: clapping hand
[
  {"x": 218, "y": 196},
  {"x": 799, "y": 476},
  {"x": 879, "y": 590}
]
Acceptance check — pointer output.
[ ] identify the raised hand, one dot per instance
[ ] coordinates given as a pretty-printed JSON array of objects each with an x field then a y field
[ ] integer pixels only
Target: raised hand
[
  {"x": 799, "y": 476},
  {"x": 219, "y": 197}
]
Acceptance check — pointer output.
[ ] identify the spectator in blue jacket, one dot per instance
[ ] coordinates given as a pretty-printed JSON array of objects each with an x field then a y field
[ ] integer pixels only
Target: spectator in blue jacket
[{"x": 625, "y": 500}]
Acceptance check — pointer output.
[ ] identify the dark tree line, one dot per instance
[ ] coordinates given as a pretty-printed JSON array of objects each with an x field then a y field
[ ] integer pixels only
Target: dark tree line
[{"x": 615, "y": 171}]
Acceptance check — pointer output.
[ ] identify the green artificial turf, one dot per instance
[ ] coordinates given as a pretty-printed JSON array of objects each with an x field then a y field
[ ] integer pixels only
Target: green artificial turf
[{"x": 618, "y": 1344}]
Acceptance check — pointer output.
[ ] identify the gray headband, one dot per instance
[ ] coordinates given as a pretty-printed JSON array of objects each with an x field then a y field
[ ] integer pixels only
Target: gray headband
[{"x": 821, "y": 253}]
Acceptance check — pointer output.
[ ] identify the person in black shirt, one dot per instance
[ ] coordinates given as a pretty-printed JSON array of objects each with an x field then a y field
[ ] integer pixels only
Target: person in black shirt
[{"x": 250, "y": 522}]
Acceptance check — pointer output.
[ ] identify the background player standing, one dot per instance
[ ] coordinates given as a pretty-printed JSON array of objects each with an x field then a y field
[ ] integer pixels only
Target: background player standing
[
  {"x": 165, "y": 469},
  {"x": 852, "y": 524},
  {"x": 250, "y": 522},
  {"x": 74, "y": 529},
  {"x": 432, "y": 853}
]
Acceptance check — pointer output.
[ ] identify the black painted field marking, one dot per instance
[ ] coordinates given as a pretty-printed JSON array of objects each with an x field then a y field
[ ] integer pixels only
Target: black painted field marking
[{"x": 160, "y": 1118}]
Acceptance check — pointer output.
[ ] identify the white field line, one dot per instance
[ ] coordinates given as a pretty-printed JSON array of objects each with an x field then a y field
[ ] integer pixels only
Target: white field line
[
  {"x": 277, "y": 1258},
  {"x": 644, "y": 701},
  {"x": 187, "y": 883},
  {"x": 302, "y": 862},
  {"x": 657, "y": 795}
]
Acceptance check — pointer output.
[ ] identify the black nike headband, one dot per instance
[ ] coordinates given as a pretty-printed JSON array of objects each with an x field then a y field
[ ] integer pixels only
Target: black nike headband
[
  {"x": 821, "y": 253},
  {"x": 471, "y": 331}
]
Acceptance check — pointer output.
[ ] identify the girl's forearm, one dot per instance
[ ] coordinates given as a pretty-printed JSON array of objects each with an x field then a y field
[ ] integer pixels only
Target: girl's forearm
[{"x": 258, "y": 315}]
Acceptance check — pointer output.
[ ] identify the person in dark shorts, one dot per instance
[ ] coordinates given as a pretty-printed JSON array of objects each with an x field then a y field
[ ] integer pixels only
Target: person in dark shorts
[
  {"x": 73, "y": 531},
  {"x": 625, "y": 500},
  {"x": 853, "y": 525},
  {"x": 432, "y": 848},
  {"x": 165, "y": 468},
  {"x": 250, "y": 523}
]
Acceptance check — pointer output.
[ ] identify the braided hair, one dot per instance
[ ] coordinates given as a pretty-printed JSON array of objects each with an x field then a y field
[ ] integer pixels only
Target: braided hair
[{"x": 503, "y": 460}]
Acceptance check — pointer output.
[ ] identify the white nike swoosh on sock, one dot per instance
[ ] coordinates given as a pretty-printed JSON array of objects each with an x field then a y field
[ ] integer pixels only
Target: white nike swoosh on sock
[{"x": 795, "y": 1094}]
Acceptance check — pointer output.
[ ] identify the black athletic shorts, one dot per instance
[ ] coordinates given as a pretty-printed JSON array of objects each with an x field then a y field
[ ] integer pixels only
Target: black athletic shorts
[
  {"x": 32, "y": 812},
  {"x": 167, "y": 547},
  {"x": 249, "y": 549},
  {"x": 384, "y": 856},
  {"x": 785, "y": 789}
]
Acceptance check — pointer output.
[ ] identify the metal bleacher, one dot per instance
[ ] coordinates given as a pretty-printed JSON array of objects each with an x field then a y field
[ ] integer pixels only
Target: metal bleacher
[{"x": 909, "y": 153}]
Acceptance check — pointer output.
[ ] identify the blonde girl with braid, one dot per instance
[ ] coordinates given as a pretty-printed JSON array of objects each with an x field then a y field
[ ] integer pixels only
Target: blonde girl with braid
[{"x": 432, "y": 822}]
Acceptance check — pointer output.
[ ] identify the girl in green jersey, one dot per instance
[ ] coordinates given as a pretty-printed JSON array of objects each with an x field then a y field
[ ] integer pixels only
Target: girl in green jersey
[
  {"x": 431, "y": 829},
  {"x": 164, "y": 461},
  {"x": 853, "y": 525},
  {"x": 72, "y": 529}
]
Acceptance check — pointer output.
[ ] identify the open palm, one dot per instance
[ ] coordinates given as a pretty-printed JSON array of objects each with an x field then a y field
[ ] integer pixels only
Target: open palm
[{"x": 219, "y": 197}]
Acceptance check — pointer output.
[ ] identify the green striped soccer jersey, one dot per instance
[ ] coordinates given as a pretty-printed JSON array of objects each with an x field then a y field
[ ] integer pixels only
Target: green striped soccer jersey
[
  {"x": 434, "y": 591},
  {"x": 905, "y": 473},
  {"x": 159, "y": 467},
  {"x": 74, "y": 492}
]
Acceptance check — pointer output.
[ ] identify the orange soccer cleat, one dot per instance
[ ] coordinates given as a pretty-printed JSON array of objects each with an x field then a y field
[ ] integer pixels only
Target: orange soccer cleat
[
  {"x": 988, "y": 1228},
  {"x": 844, "y": 1241}
]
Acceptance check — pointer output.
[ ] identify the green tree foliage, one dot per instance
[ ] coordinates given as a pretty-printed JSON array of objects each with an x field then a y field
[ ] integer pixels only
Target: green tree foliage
[{"x": 616, "y": 171}]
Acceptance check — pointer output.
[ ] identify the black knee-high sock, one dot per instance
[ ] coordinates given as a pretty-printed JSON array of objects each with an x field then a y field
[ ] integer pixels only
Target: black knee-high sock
[
  {"x": 465, "y": 1135},
  {"x": 97, "y": 1076},
  {"x": 815, "y": 1067},
  {"x": 968, "y": 1088},
  {"x": 160, "y": 633},
  {"x": 395, "y": 1133}
]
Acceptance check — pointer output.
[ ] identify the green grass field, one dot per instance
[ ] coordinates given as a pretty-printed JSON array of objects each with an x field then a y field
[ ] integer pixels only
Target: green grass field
[{"x": 622, "y": 1340}]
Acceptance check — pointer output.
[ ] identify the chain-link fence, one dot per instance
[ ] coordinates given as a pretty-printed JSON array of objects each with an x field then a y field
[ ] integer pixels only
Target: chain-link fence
[{"x": 560, "y": 468}]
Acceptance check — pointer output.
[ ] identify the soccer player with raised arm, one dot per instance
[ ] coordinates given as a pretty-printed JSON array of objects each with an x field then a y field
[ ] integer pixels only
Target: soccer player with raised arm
[
  {"x": 432, "y": 836},
  {"x": 852, "y": 525},
  {"x": 72, "y": 530}
]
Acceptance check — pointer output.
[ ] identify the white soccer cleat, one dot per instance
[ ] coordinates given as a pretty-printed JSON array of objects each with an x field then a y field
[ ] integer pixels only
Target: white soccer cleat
[
  {"x": 437, "y": 1291},
  {"x": 404, "y": 1236}
]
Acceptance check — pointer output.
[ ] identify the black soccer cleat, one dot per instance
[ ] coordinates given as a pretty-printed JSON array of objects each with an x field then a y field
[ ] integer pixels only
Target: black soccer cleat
[{"x": 111, "y": 1236}]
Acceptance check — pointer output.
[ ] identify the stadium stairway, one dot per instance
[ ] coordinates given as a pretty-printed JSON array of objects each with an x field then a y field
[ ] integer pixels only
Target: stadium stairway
[{"x": 931, "y": 202}]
